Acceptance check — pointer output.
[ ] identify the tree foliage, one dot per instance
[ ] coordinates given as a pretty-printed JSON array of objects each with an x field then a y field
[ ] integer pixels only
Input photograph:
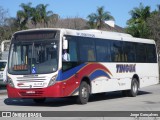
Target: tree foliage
[
  {"x": 137, "y": 24},
  {"x": 34, "y": 15},
  {"x": 153, "y": 23},
  {"x": 24, "y": 15},
  {"x": 4, "y": 28},
  {"x": 3, "y": 15},
  {"x": 96, "y": 20},
  {"x": 44, "y": 15}
]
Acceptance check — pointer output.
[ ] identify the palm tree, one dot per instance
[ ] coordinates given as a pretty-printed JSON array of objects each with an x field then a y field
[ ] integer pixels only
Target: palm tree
[
  {"x": 36, "y": 17},
  {"x": 137, "y": 24},
  {"x": 44, "y": 13},
  {"x": 24, "y": 15},
  {"x": 92, "y": 21},
  {"x": 96, "y": 20}
]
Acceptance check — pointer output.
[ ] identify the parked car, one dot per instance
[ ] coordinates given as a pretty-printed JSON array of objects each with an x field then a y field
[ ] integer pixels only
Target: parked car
[{"x": 3, "y": 65}]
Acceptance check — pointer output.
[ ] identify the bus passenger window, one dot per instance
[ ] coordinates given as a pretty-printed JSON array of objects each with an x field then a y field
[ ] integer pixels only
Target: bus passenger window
[
  {"x": 91, "y": 56},
  {"x": 116, "y": 51}
]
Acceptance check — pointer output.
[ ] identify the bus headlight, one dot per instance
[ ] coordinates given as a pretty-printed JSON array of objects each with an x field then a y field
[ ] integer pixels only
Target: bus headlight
[
  {"x": 53, "y": 80},
  {"x": 10, "y": 82}
]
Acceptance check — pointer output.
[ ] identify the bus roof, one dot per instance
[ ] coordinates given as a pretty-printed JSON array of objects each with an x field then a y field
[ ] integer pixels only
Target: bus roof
[{"x": 96, "y": 34}]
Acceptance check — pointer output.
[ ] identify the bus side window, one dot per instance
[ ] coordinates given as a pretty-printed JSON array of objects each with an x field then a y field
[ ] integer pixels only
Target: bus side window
[
  {"x": 91, "y": 56},
  {"x": 129, "y": 51},
  {"x": 103, "y": 50},
  {"x": 141, "y": 56},
  {"x": 151, "y": 53},
  {"x": 73, "y": 50},
  {"x": 86, "y": 49},
  {"x": 116, "y": 51}
]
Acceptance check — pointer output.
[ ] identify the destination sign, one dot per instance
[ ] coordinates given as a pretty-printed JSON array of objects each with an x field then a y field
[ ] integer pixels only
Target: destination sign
[
  {"x": 41, "y": 35},
  {"x": 20, "y": 67}
]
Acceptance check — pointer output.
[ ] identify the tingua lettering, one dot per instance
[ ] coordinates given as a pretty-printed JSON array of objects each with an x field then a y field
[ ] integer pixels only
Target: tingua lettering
[{"x": 126, "y": 68}]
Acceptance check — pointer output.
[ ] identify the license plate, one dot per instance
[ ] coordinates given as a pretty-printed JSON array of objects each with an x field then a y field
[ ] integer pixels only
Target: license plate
[
  {"x": 30, "y": 92},
  {"x": 39, "y": 84}
]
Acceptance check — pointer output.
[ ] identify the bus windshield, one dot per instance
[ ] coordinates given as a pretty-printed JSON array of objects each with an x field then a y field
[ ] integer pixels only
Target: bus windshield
[{"x": 36, "y": 57}]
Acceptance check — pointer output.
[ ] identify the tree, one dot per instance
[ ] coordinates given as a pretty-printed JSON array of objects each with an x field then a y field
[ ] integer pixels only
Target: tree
[
  {"x": 42, "y": 9},
  {"x": 29, "y": 16},
  {"x": 97, "y": 20},
  {"x": 4, "y": 29},
  {"x": 137, "y": 23},
  {"x": 24, "y": 15},
  {"x": 72, "y": 23},
  {"x": 36, "y": 17},
  {"x": 3, "y": 16},
  {"x": 53, "y": 19},
  {"x": 154, "y": 25}
]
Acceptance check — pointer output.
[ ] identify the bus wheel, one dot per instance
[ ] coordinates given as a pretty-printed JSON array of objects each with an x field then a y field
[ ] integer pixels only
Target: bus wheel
[
  {"x": 39, "y": 100},
  {"x": 84, "y": 90},
  {"x": 134, "y": 88}
]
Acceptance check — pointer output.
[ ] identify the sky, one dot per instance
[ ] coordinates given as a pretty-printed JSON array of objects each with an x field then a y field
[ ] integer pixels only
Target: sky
[{"x": 119, "y": 9}]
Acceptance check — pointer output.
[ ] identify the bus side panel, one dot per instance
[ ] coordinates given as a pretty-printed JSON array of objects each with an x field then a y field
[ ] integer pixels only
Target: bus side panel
[
  {"x": 117, "y": 81},
  {"x": 94, "y": 71},
  {"x": 121, "y": 79},
  {"x": 148, "y": 73}
]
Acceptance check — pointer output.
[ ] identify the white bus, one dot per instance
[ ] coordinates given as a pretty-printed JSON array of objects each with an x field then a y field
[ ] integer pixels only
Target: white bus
[
  {"x": 4, "y": 49},
  {"x": 99, "y": 61}
]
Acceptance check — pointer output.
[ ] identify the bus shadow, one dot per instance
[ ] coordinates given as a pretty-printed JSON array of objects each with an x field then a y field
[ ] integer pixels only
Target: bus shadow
[
  {"x": 112, "y": 95},
  {"x": 58, "y": 102}
]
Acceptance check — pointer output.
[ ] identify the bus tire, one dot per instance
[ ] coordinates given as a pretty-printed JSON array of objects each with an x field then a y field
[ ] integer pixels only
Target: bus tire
[
  {"x": 39, "y": 100},
  {"x": 134, "y": 88},
  {"x": 84, "y": 92}
]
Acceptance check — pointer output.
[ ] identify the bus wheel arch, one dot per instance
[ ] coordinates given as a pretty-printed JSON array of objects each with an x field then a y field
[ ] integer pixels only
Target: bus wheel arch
[
  {"x": 84, "y": 91},
  {"x": 88, "y": 81}
]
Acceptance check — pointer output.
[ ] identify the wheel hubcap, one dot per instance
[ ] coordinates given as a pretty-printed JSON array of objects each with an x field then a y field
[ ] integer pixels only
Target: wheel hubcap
[
  {"x": 135, "y": 88},
  {"x": 84, "y": 92}
]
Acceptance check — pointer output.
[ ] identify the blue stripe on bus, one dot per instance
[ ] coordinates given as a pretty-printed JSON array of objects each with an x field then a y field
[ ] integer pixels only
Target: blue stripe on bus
[
  {"x": 69, "y": 73},
  {"x": 98, "y": 73}
]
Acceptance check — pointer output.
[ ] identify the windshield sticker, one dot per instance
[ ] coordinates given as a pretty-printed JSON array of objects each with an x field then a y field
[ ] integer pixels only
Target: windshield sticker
[
  {"x": 20, "y": 67},
  {"x": 33, "y": 69}
]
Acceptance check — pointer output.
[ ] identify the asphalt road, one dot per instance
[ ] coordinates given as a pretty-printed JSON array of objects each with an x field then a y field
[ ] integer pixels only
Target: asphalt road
[{"x": 148, "y": 99}]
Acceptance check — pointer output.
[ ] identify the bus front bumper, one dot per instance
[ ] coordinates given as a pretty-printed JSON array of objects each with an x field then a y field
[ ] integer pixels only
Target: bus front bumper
[{"x": 50, "y": 92}]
